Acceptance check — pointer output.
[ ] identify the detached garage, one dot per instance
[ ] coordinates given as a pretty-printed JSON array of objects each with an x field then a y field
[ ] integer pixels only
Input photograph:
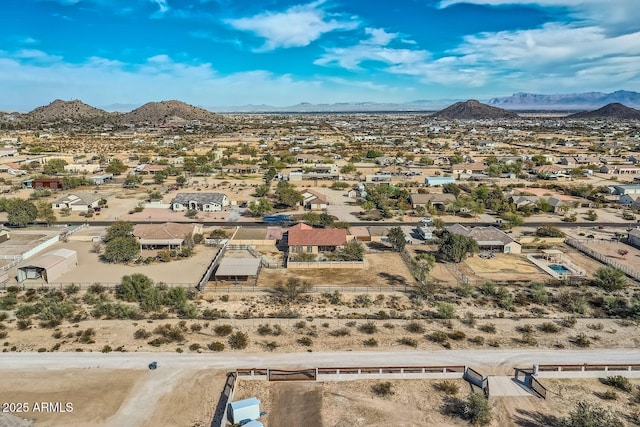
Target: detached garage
[{"x": 49, "y": 266}]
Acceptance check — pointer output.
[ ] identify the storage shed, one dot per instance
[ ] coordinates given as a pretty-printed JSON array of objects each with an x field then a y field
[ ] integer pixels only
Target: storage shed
[
  {"x": 49, "y": 266},
  {"x": 244, "y": 410}
]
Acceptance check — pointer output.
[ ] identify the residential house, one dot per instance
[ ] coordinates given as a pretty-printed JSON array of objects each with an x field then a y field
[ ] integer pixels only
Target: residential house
[
  {"x": 488, "y": 238},
  {"x": 82, "y": 168},
  {"x": 620, "y": 169},
  {"x": 314, "y": 201},
  {"x": 302, "y": 238},
  {"x": 468, "y": 168},
  {"x": 437, "y": 200},
  {"x": 169, "y": 235},
  {"x": 205, "y": 202},
  {"x": 631, "y": 201},
  {"x": 101, "y": 179},
  {"x": 78, "y": 202},
  {"x": 551, "y": 171},
  {"x": 39, "y": 183},
  {"x": 621, "y": 190}
]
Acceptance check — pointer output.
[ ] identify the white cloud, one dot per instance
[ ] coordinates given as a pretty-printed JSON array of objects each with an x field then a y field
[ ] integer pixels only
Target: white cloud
[
  {"x": 163, "y": 6},
  {"x": 615, "y": 15},
  {"x": 295, "y": 27},
  {"x": 373, "y": 48},
  {"x": 103, "y": 81}
]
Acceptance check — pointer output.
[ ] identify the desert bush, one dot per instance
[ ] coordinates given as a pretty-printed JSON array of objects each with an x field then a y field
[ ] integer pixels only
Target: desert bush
[
  {"x": 619, "y": 382},
  {"x": 489, "y": 328},
  {"x": 214, "y": 314},
  {"x": 216, "y": 346},
  {"x": 447, "y": 387},
  {"x": 223, "y": 330},
  {"x": 457, "y": 335},
  {"x": 478, "y": 410},
  {"x": 107, "y": 349},
  {"x": 549, "y": 327},
  {"x": 195, "y": 346},
  {"x": 410, "y": 342},
  {"x": 238, "y": 340},
  {"x": 305, "y": 341},
  {"x": 478, "y": 340},
  {"x": 362, "y": 300},
  {"x": 141, "y": 334},
  {"x": 608, "y": 395},
  {"x": 341, "y": 332},
  {"x": 582, "y": 340},
  {"x": 57, "y": 334},
  {"x": 368, "y": 328},
  {"x": 414, "y": 327},
  {"x": 439, "y": 337},
  {"x": 569, "y": 322},
  {"x": 195, "y": 327},
  {"x": 370, "y": 342},
  {"x": 23, "y": 324},
  {"x": 170, "y": 333},
  {"x": 383, "y": 389},
  {"x": 587, "y": 414}
]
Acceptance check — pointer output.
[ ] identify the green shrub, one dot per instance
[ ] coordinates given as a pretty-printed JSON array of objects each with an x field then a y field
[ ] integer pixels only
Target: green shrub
[
  {"x": 238, "y": 340},
  {"x": 341, "y": 332},
  {"x": 447, "y": 387},
  {"x": 619, "y": 382},
  {"x": 107, "y": 349},
  {"x": 195, "y": 346},
  {"x": 549, "y": 327},
  {"x": 582, "y": 340}
]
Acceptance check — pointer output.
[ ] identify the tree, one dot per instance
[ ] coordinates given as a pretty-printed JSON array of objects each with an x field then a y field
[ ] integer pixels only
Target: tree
[
  {"x": 21, "y": 212},
  {"x": 291, "y": 291},
  {"x": 421, "y": 266},
  {"x": 121, "y": 250},
  {"x": 181, "y": 180},
  {"x": 610, "y": 279},
  {"x": 353, "y": 251},
  {"x": 397, "y": 239},
  {"x": 587, "y": 415},
  {"x": 288, "y": 195},
  {"x": 261, "y": 190},
  {"x": 45, "y": 212},
  {"x": 512, "y": 219},
  {"x": 455, "y": 247},
  {"x": 348, "y": 168},
  {"x": 260, "y": 207},
  {"x": 54, "y": 166},
  {"x": 133, "y": 180},
  {"x": 116, "y": 167},
  {"x": 592, "y": 215},
  {"x": 133, "y": 288},
  {"x": 549, "y": 231},
  {"x": 118, "y": 229},
  {"x": 159, "y": 177}
]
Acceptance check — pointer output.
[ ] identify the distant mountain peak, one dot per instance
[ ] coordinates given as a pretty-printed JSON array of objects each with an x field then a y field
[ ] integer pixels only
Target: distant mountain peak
[
  {"x": 473, "y": 110},
  {"x": 74, "y": 110},
  {"x": 614, "y": 110},
  {"x": 570, "y": 101}
]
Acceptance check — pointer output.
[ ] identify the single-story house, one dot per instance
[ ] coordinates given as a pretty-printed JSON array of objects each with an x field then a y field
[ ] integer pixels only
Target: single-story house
[
  {"x": 468, "y": 168},
  {"x": 488, "y": 238},
  {"x": 620, "y": 169},
  {"x": 314, "y": 201},
  {"x": 38, "y": 183},
  {"x": 169, "y": 235},
  {"x": 304, "y": 238},
  {"x": 80, "y": 202},
  {"x": 633, "y": 238},
  {"x": 205, "y": 202},
  {"x": 49, "y": 266},
  {"x": 620, "y": 190},
  {"x": 631, "y": 201},
  {"x": 438, "y": 200},
  {"x": 101, "y": 179},
  {"x": 82, "y": 168}
]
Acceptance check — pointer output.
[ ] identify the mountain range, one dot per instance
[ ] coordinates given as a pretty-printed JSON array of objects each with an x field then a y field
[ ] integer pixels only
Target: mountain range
[{"x": 572, "y": 101}]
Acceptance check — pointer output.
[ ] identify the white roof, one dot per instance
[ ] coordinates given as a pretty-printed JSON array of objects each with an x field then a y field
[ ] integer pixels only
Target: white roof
[{"x": 238, "y": 267}]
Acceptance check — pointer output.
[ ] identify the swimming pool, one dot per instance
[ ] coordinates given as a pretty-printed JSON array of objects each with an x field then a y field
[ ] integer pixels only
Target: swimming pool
[{"x": 560, "y": 269}]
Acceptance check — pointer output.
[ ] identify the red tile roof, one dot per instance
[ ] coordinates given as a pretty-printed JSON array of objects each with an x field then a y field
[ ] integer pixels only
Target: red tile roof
[{"x": 305, "y": 235}]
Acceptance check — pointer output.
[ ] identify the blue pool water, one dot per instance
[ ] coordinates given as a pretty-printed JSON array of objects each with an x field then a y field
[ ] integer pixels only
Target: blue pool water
[{"x": 560, "y": 269}]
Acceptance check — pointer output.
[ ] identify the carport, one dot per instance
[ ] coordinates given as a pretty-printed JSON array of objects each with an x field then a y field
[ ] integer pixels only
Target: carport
[
  {"x": 49, "y": 266},
  {"x": 238, "y": 269}
]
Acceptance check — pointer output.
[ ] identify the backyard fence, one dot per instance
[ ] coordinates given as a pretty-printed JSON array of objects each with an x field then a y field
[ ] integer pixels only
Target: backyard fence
[{"x": 583, "y": 247}]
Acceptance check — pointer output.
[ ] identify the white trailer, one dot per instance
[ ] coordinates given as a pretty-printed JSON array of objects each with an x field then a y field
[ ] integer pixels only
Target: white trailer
[{"x": 244, "y": 410}]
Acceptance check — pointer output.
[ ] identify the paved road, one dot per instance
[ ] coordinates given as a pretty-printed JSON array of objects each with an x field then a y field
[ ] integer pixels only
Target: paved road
[{"x": 507, "y": 359}]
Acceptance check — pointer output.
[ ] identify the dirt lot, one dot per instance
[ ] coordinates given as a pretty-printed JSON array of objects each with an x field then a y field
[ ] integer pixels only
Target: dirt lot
[
  {"x": 504, "y": 267},
  {"x": 90, "y": 269},
  {"x": 381, "y": 270},
  {"x": 102, "y": 397},
  {"x": 416, "y": 403}
]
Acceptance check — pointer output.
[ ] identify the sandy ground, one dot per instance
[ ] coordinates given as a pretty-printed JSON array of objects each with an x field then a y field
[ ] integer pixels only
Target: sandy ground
[
  {"x": 386, "y": 270},
  {"x": 417, "y": 403},
  {"x": 90, "y": 269}
]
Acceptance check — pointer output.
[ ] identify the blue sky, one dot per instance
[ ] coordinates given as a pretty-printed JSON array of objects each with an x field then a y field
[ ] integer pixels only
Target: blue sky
[{"x": 280, "y": 52}]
